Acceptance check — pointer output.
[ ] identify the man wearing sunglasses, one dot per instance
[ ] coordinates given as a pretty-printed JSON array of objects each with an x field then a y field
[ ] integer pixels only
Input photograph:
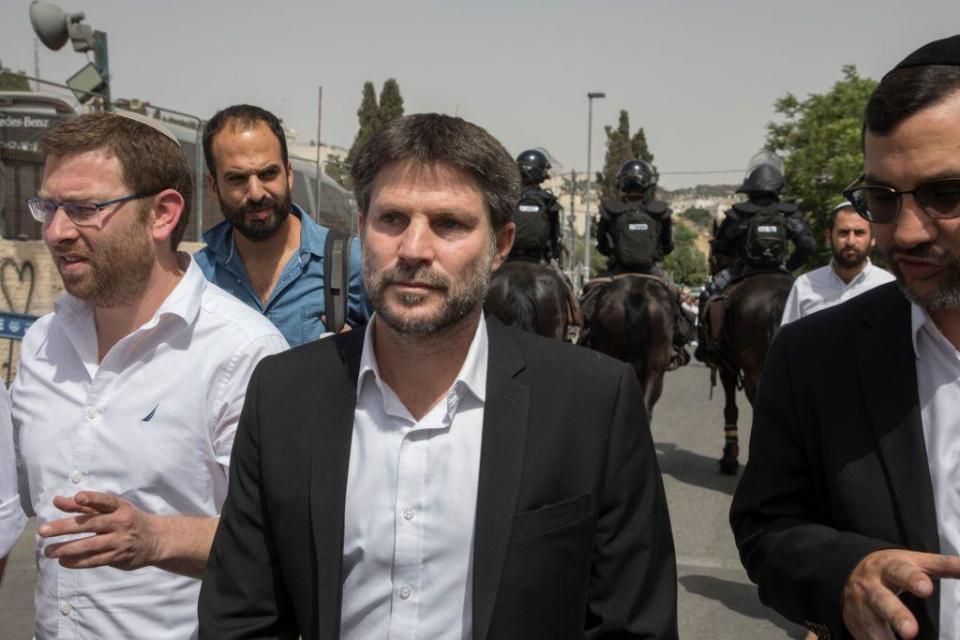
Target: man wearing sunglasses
[
  {"x": 127, "y": 396},
  {"x": 848, "y": 512}
]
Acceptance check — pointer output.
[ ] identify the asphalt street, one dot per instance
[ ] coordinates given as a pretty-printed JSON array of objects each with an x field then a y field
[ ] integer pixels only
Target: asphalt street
[{"x": 716, "y": 600}]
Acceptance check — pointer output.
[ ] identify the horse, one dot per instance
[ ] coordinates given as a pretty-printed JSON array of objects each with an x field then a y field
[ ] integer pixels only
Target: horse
[
  {"x": 754, "y": 307},
  {"x": 533, "y": 297},
  {"x": 632, "y": 319}
]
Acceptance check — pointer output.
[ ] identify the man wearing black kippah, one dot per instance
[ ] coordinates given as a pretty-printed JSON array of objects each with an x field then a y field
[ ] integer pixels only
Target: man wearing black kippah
[{"x": 848, "y": 512}]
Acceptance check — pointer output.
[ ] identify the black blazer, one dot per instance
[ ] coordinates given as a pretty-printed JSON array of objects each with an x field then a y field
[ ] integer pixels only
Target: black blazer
[
  {"x": 837, "y": 467},
  {"x": 572, "y": 534}
]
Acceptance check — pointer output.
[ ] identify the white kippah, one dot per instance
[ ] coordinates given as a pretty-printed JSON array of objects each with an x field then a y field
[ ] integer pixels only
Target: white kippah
[
  {"x": 843, "y": 205},
  {"x": 153, "y": 123}
]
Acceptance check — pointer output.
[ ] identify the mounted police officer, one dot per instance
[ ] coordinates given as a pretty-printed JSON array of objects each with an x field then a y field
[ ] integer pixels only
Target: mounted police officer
[
  {"x": 754, "y": 235},
  {"x": 635, "y": 233},
  {"x": 538, "y": 212}
]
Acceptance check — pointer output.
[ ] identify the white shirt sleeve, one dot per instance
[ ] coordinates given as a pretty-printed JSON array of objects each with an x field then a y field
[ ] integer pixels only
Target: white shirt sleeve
[
  {"x": 12, "y": 518},
  {"x": 233, "y": 389},
  {"x": 791, "y": 311}
]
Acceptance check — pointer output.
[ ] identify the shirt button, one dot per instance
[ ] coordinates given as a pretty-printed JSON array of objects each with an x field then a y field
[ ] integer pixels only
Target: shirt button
[
  {"x": 408, "y": 513},
  {"x": 76, "y": 477},
  {"x": 404, "y": 592},
  {"x": 65, "y": 609},
  {"x": 91, "y": 413}
]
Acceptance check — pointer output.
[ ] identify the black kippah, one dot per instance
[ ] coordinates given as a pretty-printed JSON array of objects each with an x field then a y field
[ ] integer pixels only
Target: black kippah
[{"x": 945, "y": 51}]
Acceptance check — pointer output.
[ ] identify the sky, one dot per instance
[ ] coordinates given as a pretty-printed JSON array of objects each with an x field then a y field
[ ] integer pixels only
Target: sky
[{"x": 700, "y": 76}]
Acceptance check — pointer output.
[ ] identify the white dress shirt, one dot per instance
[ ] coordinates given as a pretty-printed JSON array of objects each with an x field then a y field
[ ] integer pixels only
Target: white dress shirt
[
  {"x": 938, "y": 386},
  {"x": 411, "y": 503},
  {"x": 822, "y": 288},
  {"x": 153, "y": 422},
  {"x": 12, "y": 517}
]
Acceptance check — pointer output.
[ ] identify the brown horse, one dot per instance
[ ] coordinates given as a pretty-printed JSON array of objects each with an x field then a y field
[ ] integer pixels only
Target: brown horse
[
  {"x": 632, "y": 320},
  {"x": 531, "y": 296},
  {"x": 754, "y": 308}
]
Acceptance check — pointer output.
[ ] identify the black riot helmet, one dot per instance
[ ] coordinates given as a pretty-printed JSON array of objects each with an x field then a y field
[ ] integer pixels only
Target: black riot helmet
[
  {"x": 636, "y": 175},
  {"x": 764, "y": 175},
  {"x": 533, "y": 165}
]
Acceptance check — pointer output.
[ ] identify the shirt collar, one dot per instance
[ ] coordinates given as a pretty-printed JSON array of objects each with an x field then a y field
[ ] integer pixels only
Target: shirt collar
[
  {"x": 183, "y": 302},
  {"x": 472, "y": 375},
  {"x": 219, "y": 238},
  {"x": 920, "y": 321}
]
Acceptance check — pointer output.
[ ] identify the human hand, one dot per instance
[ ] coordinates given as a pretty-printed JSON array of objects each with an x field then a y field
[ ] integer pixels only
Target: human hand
[
  {"x": 125, "y": 537},
  {"x": 872, "y": 608}
]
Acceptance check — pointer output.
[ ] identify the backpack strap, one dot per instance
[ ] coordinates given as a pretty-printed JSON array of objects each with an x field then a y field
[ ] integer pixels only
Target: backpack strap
[{"x": 336, "y": 253}]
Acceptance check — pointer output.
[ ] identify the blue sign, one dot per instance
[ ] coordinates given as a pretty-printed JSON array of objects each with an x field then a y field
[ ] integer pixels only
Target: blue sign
[{"x": 15, "y": 325}]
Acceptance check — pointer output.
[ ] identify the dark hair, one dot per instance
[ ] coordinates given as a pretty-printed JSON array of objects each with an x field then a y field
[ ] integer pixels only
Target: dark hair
[
  {"x": 904, "y": 92},
  {"x": 247, "y": 115},
  {"x": 149, "y": 160},
  {"x": 427, "y": 138}
]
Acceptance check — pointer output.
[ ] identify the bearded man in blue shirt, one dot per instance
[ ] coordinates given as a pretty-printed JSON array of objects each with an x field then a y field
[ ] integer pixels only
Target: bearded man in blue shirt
[{"x": 268, "y": 251}]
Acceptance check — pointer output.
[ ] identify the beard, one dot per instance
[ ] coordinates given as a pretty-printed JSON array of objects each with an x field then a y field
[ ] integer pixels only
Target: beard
[
  {"x": 462, "y": 295},
  {"x": 258, "y": 230},
  {"x": 944, "y": 296},
  {"x": 117, "y": 272},
  {"x": 859, "y": 257}
]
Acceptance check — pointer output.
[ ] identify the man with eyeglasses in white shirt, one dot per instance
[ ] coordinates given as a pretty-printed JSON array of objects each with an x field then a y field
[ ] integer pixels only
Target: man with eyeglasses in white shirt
[
  {"x": 127, "y": 396},
  {"x": 849, "y": 273}
]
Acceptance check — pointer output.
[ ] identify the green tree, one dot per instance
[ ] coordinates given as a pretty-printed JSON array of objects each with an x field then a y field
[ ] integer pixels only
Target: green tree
[
  {"x": 638, "y": 145},
  {"x": 391, "y": 102},
  {"x": 820, "y": 139},
  {"x": 698, "y": 217},
  {"x": 686, "y": 262},
  {"x": 621, "y": 147},
  {"x": 369, "y": 117}
]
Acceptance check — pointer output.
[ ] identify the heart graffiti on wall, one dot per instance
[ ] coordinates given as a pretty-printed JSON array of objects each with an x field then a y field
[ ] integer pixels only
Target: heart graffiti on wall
[{"x": 16, "y": 285}]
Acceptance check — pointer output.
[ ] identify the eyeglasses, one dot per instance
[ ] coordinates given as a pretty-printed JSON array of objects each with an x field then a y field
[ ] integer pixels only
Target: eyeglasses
[
  {"x": 80, "y": 213},
  {"x": 939, "y": 199}
]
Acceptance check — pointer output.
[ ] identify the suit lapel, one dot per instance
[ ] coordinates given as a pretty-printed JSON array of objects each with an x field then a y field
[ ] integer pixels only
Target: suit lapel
[
  {"x": 328, "y": 470},
  {"x": 501, "y": 466},
  {"x": 889, "y": 377}
]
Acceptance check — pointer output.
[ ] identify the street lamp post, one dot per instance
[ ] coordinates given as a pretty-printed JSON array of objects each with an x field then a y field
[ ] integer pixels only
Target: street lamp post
[{"x": 586, "y": 214}]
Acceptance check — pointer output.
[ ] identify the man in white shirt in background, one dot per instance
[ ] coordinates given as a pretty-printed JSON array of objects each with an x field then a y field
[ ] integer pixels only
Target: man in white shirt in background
[
  {"x": 849, "y": 273},
  {"x": 12, "y": 518},
  {"x": 127, "y": 396}
]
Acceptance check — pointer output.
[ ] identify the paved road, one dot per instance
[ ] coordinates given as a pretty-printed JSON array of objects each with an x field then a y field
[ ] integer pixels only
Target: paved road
[{"x": 716, "y": 599}]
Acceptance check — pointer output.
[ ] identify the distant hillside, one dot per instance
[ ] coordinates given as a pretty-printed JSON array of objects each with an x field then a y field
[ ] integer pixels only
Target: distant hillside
[{"x": 702, "y": 191}]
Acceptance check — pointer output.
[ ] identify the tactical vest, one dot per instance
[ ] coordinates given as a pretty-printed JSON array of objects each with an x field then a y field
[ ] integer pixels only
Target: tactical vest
[
  {"x": 533, "y": 223},
  {"x": 765, "y": 237},
  {"x": 637, "y": 238}
]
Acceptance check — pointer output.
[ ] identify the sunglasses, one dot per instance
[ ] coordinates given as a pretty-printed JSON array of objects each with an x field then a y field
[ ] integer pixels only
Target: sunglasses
[
  {"x": 939, "y": 199},
  {"x": 80, "y": 213}
]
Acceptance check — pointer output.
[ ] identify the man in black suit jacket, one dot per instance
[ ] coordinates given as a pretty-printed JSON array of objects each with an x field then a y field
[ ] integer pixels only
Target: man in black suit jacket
[
  {"x": 847, "y": 513},
  {"x": 570, "y": 534}
]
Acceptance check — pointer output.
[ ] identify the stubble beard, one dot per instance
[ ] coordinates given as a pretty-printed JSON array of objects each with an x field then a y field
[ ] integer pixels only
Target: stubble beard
[
  {"x": 462, "y": 296},
  {"x": 258, "y": 230},
  {"x": 117, "y": 272},
  {"x": 946, "y": 296}
]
